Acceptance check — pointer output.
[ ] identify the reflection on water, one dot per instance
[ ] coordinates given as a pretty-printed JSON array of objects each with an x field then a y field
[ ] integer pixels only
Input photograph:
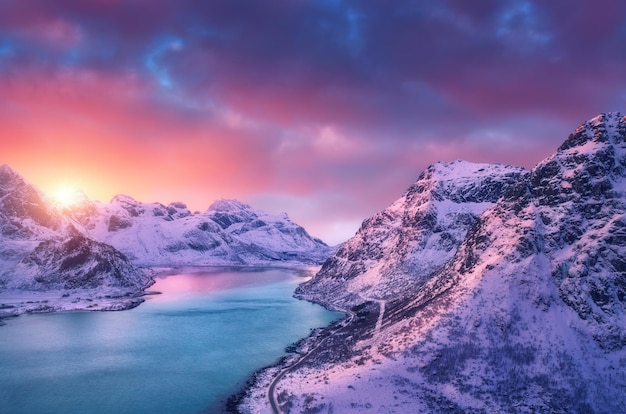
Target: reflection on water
[
  {"x": 209, "y": 281},
  {"x": 181, "y": 351}
]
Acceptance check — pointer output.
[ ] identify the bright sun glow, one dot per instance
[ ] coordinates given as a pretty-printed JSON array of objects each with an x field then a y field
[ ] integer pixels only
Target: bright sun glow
[{"x": 67, "y": 196}]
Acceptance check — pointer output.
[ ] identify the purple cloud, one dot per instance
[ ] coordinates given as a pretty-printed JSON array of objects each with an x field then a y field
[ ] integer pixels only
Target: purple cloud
[{"x": 326, "y": 97}]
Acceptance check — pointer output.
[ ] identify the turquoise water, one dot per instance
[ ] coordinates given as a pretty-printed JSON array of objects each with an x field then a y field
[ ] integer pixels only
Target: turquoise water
[{"x": 179, "y": 352}]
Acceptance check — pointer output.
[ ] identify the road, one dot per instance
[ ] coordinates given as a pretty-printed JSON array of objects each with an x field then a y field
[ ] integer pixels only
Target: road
[{"x": 272, "y": 387}]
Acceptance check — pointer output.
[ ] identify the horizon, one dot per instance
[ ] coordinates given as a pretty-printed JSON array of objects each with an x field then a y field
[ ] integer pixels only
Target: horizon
[{"x": 326, "y": 110}]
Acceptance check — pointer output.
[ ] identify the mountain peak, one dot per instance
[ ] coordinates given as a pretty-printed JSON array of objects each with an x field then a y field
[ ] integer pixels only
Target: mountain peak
[
  {"x": 396, "y": 249},
  {"x": 609, "y": 118},
  {"x": 464, "y": 181},
  {"x": 608, "y": 127},
  {"x": 6, "y": 168},
  {"x": 123, "y": 199},
  {"x": 8, "y": 177},
  {"x": 461, "y": 169},
  {"x": 228, "y": 204}
]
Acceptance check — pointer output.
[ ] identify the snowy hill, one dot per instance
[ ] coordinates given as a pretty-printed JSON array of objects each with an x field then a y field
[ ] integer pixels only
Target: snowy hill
[
  {"x": 41, "y": 251},
  {"x": 396, "y": 248},
  {"x": 86, "y": 254},
  {"x": 228, "y": 233},
  {"x": 24, "y": 211},
  {"x": 526, "y": 314}
]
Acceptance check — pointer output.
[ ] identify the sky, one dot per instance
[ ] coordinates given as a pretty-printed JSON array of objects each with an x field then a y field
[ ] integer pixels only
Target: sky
[{"x": 325, "y": 109}]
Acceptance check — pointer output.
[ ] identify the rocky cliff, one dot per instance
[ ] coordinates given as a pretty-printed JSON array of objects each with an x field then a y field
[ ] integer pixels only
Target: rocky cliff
[{"x": 526, "y": 313}]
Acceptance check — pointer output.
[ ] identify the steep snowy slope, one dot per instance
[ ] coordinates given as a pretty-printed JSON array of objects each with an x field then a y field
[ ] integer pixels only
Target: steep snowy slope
[
  {"x": 396, "y": 249},
  {"x": 40, "y": 250},
  {"x": 228, "y": 233},
  {"x": 24, "y": 212},
  {"x": 25, "y": 218},
  {"x": 527, "y": 316}
]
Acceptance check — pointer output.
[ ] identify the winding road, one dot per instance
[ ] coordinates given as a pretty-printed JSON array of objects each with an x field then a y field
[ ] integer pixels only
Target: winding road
[
  {"x": 272, "y": 388},
  {"x": 271, "y": 393}
]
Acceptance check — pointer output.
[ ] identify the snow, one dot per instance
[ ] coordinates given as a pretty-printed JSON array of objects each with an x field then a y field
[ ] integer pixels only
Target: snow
[
  {"x": 229, "y": 232},
  {"x": 15, "y": 302},
  {"x": 523, "y": 315},
  {"x": 85, "y": 255}
]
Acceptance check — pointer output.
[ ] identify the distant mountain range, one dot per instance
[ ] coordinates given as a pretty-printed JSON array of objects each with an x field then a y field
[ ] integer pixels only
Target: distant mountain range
[
  {"x": 103, "y": 249},
  {"x": 483, "y": 289},
  {"x": 228, "y": 233}
]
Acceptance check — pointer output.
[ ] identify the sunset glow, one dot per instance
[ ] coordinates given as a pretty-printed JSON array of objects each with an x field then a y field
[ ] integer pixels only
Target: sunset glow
[
  {"x": 67, "y": 196},
  {"x": 327, "y": 110}
]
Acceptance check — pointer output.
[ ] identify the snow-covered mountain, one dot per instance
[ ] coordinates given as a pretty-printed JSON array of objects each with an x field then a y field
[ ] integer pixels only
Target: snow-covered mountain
[
  {"x": 228, "y": 233},
  {"x": 24, "y": 211},
  {"x": 42, "y": 251},
  {"x": 527, "y": 314},
  {"x": 87, "y": 255},
  {"x": 77, "y": 262},
  {"x": 396, "y": 249}
]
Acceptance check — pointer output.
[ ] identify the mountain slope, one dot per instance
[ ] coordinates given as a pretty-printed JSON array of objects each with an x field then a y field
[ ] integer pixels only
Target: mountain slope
[
  {"x": 77, "y": 263},
  {"x": 228, "y": 233},
  {"x": 41, "y": 251},
  {"x": 25, "y": 219},
  {"x": 24, "y": 211},
  {"x": 396, "y": 248},
  {"x": 527, "y": 315}
]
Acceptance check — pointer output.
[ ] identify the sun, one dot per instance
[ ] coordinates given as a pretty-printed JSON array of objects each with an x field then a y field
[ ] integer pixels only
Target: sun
[{"x": 67, "y": 196}]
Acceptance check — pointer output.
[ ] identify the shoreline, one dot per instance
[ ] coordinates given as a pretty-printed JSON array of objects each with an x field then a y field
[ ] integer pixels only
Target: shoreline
[
  {"x": 16, "y": 302},
  {"x": 259, "y": 386}
]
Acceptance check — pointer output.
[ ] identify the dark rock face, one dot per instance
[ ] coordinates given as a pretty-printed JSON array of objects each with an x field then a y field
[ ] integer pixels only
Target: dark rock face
[
  {"x": 80, "y": 263},
  {"x": 116, "y": 223},
  {"x": 225, "y": 220}
]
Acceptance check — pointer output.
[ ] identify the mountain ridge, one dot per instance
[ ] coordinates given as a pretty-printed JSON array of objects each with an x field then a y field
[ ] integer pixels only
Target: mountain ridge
[
  {"x": 437, "y": 210},
  {"x": 527, "y": 315},
  {"x": 229, "y": 232},
  {"x": 99, "y": 255}
]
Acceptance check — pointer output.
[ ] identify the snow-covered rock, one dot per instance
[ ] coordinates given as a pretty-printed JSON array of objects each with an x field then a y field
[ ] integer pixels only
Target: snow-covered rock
[
  {"x": 41, "y": 251},
  {"x": 24, "y": 211},
  {"x": 77, "y": 263},
  {"x": 86, "y": 255},
  {"x": 228, "y": 233},
  {"x": 395, "y": 250},
  {"x": 527, "y": 314}
]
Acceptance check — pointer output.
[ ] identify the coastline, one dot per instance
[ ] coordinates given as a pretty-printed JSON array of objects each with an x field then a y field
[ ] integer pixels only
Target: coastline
[
  {"x": 16, "y": 302},
  {"x": 256, "y": 395},
  {"x": 253, "y": 394}
]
